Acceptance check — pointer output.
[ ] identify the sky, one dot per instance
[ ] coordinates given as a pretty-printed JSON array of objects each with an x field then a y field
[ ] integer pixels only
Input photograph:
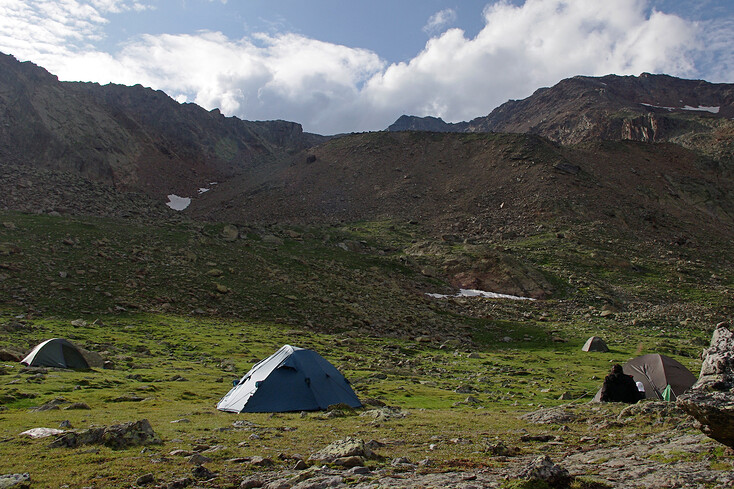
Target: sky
[{"x": 339, "y": 66}]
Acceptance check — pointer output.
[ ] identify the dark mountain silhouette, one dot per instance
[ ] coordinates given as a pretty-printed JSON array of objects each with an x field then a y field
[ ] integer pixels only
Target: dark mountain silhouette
[{"x": 133, "y": 138}]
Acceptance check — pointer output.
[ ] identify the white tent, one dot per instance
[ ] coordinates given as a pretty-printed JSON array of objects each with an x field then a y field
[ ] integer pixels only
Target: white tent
[
  {"x": 595, "y": 344},
  {"x": 291, "y": 379}
]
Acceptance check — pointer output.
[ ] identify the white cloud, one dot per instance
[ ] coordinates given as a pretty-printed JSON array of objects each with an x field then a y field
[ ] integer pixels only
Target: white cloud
[
  {"x": 717, "y": 60},
  {"x": 332, "y": 88},
  {"x": 41, "y": 29},
  {"x": 439, "y": 20},
  {"x": 526, "y": 47}
]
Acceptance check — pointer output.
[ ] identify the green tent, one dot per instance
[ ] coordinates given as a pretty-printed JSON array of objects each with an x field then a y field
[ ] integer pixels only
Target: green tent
[{"x": 56, "y": 352}]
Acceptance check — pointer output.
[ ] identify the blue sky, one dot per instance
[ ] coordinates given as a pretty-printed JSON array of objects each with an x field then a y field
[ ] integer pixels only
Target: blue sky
[{"x": 346, "y": 65}]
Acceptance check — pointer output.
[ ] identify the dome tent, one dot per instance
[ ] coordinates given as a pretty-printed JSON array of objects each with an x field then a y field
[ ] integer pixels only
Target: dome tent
[
  {"x": 595, "y": 344},
  {"x": 291, "y": 379},
  {"x": 656, "y": 372},
  {"x": 56, "y": 352}
]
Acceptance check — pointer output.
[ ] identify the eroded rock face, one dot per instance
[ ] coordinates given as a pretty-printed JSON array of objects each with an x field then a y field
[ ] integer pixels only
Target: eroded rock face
[{"x": 711, "y": 400}]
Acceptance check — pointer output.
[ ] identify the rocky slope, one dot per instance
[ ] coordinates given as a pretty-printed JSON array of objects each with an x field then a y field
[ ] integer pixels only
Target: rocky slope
[
  {"x": 131, "y": 138},
  {"x": 650, "y": 108},
  {"x": 498, "y": 185}
]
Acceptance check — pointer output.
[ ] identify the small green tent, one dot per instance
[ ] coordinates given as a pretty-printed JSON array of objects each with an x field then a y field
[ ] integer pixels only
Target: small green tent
[{"x": 56, "y": 352}]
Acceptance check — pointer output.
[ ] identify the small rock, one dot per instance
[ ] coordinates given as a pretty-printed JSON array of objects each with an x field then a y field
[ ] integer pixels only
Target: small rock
[
  {"x": 352, "y": 461},
  {"x": 15, "y": 480},
  {"x": 202, "y": 473},
  {"x": 251, "y": 483},
  {"x": 230, "y": 233},
  {"x": 543, "y": 468},
  {"x": 259, "y": 461},
  {"x": 180, "y": 453},
  {"x": 198, "y": 459},
  {"x": 144, "y": 480},
  {"x": 77, "y": 405},
  {"x": 179, "y": 483}
]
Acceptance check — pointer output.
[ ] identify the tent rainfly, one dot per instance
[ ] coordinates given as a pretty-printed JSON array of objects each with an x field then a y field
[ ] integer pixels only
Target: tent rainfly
[
  {"x": 291, "y": 379},
  {"x": 595, "y": 344},
  {"x": 56, "y": 352},
  {"x": 656, "y": 372}
]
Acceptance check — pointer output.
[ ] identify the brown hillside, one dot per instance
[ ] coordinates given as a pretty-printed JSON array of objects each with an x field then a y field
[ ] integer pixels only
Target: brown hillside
[
  {"x": 132, "y": 138},
  {"x": 485, "y": 184}
]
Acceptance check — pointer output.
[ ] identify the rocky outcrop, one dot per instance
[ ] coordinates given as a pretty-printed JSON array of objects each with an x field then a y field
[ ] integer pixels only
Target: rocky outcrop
[
  {"x": 543, "y": 469},
  {"x": 129, "y": 137},
  {"x": 124, "y": 435},
  {"x": 430, "y": 124},
  {"x": 649, "y": 108},
  {"x": 711, "y": 400},
  {"x": 342, "y": 451}
]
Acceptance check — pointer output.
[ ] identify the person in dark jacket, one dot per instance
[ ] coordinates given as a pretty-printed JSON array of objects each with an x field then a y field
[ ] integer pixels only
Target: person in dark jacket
[{"x": 619, "y": 387}]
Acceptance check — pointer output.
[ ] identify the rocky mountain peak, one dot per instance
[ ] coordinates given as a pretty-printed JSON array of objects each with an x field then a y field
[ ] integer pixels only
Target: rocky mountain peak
[
  {"x": 649, "y": 107},
  {"x": 132, "y": 138}
]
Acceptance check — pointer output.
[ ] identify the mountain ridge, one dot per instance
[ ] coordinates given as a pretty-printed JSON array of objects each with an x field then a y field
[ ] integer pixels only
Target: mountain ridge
[
  {"x": 649, "y": 108},
  {"x": 473, "y": 183},
  {"x": 133, "y": 138}
]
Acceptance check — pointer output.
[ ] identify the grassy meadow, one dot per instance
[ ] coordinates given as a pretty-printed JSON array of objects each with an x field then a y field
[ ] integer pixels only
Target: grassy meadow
[{"x": 182, "y": 310}]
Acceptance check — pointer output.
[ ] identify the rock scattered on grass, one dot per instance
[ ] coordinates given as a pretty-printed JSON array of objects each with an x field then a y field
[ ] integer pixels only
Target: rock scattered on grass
[
  {"x": 549, "y": 415},
  {"x": 50, "y": 405},
  {"x": 41, "y": 432},
  {"x": 145, "y": 479},
  {"x": 341, "y": 449},
  {"x": 77, "y": 405},
  {"x": 543, "y": 469},
  {"x": 124, "y": 435},
  {"x": 17, "y": 481}
]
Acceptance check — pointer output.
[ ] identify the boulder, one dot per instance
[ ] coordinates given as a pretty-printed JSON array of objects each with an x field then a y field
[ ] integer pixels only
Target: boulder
[
  {"x": 230, "y": 233},
  {"x": 341, "y": 449},
  {"x": 711, "y": 399},
  {"x": 549, "y": 415},
  {"x": 124, "y": 435},
  {"x": 543, "y": 469},
  {"x": 15, "y": 480},
  {"x": 93, "y": 358},
  {"x": 10, "y": 356},
  {"x": 41, "y": 432}
]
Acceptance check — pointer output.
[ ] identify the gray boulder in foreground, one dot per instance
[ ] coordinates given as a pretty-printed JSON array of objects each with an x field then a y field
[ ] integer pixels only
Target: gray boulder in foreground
[
  {"x": 711, "y": 399},
  {"x": 118, "y": 436},
  {"x": 15, "y": 481}
]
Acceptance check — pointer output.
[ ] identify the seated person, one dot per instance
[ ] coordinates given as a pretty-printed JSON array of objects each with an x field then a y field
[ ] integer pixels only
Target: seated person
[{"x": 619, "y": 387}]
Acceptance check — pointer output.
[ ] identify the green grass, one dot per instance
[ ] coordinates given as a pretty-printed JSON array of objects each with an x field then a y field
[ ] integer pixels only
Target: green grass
[
  {"x": 149, "y": 350},
  {"x": 148, "y": 297}
]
